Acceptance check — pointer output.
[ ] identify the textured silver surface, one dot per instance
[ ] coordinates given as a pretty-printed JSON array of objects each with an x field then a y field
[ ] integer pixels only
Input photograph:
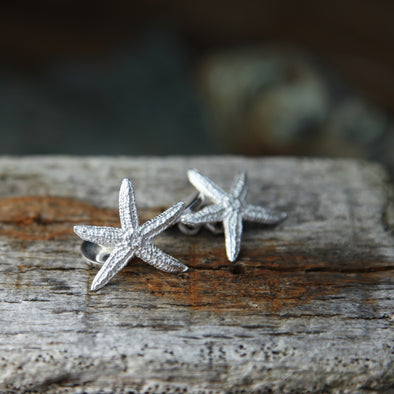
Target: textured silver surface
[
  {"x": 131, "y": 239},
  {"x": 229, "y": 208}
]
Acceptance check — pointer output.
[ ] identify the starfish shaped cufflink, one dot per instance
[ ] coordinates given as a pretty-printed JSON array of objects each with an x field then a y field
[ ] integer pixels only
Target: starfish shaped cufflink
[
  {"x": 131, "y": 239},
  {"x": 229, "y": 208}
]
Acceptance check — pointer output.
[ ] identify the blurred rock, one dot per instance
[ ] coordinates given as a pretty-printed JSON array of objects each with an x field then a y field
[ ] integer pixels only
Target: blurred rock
[
  {"x": 280, "y": 101},
  {"x": 263, "y": 102}
]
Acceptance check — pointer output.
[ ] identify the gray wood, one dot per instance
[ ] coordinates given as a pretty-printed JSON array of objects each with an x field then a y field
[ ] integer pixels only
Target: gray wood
[{"x": 307, "y": 307}]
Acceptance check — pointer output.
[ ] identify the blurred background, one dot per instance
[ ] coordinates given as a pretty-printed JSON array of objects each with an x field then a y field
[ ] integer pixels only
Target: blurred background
[{"x": 209, "y": 77}]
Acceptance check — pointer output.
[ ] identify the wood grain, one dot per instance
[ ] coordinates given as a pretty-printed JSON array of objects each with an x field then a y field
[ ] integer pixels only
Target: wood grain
[{"x": 308, "y": 307}]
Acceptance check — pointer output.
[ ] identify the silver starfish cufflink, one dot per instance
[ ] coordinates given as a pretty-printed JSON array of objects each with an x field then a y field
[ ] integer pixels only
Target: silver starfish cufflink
[
  {"x": 131, "y": 239},
  {"x": 229, "y": 208}
]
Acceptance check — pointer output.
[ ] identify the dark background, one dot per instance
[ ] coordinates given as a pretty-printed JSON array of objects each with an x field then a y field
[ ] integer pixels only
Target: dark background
[{"x": 207, "y": 77}]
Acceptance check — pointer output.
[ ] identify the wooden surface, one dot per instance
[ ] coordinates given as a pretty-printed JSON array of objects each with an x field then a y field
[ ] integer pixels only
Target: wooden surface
[{"x": 307, "y": 307}]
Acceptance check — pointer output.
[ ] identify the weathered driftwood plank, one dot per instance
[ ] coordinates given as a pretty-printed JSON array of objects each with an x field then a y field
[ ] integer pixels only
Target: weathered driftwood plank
[{"x": 307, "y": 307}]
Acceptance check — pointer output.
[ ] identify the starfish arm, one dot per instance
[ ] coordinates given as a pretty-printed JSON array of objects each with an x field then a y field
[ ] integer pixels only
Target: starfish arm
[
  {"x": 115, "y": 262},
  {"x": 239, "y": 187},
  {"x": 127, "y": 208},
  {"x": 209, "y": 214},
  {"x": 106, "y": 236},
  {"x": 206, "y": 186},
  {"x": 158, "y": 259},
  {"x": 233, "y": 231},
  {"x": 257, "y": 214},
  {"x": 155, "y": 226}
]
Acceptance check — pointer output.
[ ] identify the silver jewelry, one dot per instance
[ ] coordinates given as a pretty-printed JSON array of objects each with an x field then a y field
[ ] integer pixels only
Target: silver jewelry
[
  {"x": 114, "y": 247},
  {"x": 229, "y": 208},
  {"x": 193, "y": 203}
]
